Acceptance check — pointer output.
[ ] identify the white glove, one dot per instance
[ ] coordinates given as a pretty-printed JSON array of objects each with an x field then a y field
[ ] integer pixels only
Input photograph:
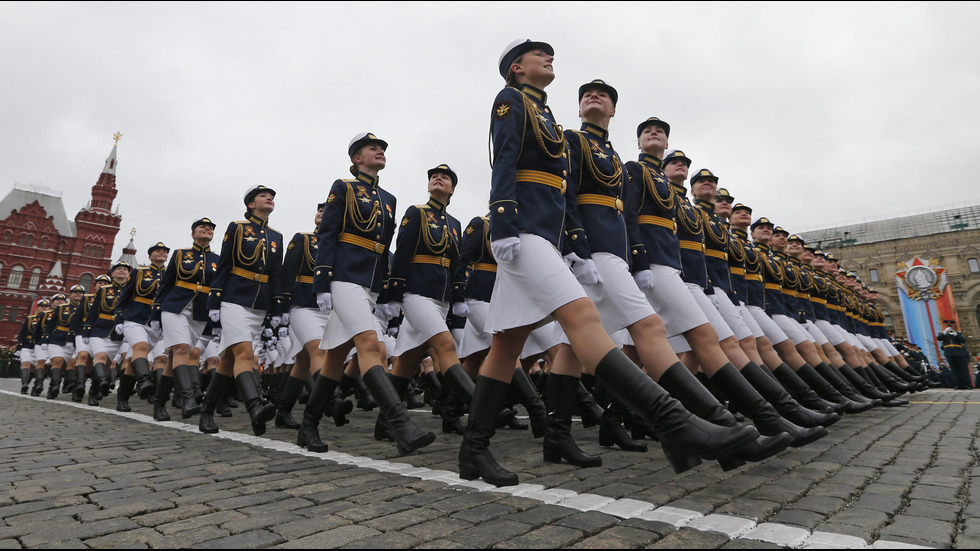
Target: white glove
[
  {"x": 215, "y": 334},
  {"x": 275, "y": 321},
  {"x": 505, "y": 249},
  {"x": 381, "y": 312},
  {"x": 394, "y": 310},
  {"x": 155, "y": 326},
  {"x": 644, "y": 279},
  {"x": 215, "y": 315},
  {"x": 392, "y": 332},
  {"x": 461, "y": 309},
  {"x": 283, "y": 332},
  {"x": 44, "y": 347},
  {"x": 267, "y": 332},
  {"x": 285, "y": 318},
  {"x": 119, "y": 328},
  {"x": 948, "y": 330},
  {"x": 324, "y": 302},
  {"x": 85, "y": 340},
  {"x": 585, "y": 271}
]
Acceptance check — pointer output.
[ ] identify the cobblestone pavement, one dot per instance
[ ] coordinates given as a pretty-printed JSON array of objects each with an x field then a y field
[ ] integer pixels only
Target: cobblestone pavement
[{"x": 76, "y": 476}]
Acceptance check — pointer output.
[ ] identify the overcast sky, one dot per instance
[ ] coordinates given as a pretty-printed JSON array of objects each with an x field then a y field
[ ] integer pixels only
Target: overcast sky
[{"x": 814, "y": 114}]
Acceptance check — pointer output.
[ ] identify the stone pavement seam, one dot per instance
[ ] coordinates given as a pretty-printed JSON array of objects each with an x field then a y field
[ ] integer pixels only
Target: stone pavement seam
[{"x": 627, "y": 509}]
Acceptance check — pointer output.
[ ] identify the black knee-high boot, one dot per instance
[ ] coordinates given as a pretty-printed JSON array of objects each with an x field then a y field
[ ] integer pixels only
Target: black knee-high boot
[
  {"x": 696, "y": 398},
  {"x": 25, "y": 380},
  {"x": 829, "y": 392},
  {"x": 891, "y": 381},
  {"x": 217, "y": 388},
  {"x": 589, "y": 410},
  {"x": 408, "y": 437},
  {"x": 457, "y": 382},
  {"x": 38, "y": 387},
  {"x": 526, "y": 394},
  {"x": 802, "y": 392},
  {"x": 309, "y": 435},
  {"x": 164, "y": 386},
  {"x": 613, "y": 433},
  {"x": 78, "y": 391},
  {"x": 126, "y": 384},
  {"x": 144, "y": 383},
  {"x": 863, "y": 386},
  {"x": 685, "y": 438},
  {"x": 833, "y": 376},
  {"x": 754, "y": 406},
  {"x": 475, "y": 460},
  {"x": 558, "y": 441},
  {"x": 184, "y": 377},
  {"x": 55, "y": 387},
  {"x": 290, "y": 393},
  {"x": 259, "y": 410},
  {"x": 787, "y": 407}
]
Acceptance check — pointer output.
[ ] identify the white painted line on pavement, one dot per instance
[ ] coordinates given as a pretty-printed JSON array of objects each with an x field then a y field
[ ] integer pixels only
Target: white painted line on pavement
[{"x": 732, "y": 526}]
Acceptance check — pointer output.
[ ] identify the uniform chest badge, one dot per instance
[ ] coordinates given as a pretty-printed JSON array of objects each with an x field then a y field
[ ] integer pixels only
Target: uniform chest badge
[
  {"x": 502, "y": 111},
  {"x": 249, "y": 230},
  {"x": 272, "y": 246},
  {"x": 388, "y": 207},
  {"x": 363, "y": 195},
  {"x": 432, "y": 220},
  {"x": 313, "y": 241},
  {"x": 214, "y": 266}
]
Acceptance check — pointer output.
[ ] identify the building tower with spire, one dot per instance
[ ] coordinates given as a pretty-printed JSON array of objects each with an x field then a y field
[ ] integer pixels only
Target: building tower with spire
[{"x": 38, "y": 240}]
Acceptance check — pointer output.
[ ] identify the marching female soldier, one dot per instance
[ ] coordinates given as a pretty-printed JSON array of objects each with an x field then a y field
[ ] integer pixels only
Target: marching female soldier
[
  {"x": 99, "y": 329},
  {"x": 352, "y": 264},
  {"x": 306, "y": 322},
  {"x": 246, "y": 287},
  {"x": 180, "y": 312}
]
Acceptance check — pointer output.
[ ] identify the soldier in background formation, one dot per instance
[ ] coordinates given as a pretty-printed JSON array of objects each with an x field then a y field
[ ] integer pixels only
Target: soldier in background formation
[{"x": 660, "y": 305}]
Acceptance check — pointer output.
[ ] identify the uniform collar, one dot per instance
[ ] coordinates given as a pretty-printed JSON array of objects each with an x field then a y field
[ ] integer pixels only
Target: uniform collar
[
  {"x": 258, "y": 221},
  {"x": 741, "y": 234},
  {"x": 648, "y": 159},
  {"x": 368, "y": 179},
  {"x": 435, "y": 204},
  {"x": 795, "y": 260},
  {"x": 763, "y": 247},
  {"x": 679, "y": 189},
  {"x": 781, "y": 255},
  {"x": 199, "y": 248},
  {"x": 539, "y": 96},
  {"x": 595, "y": 130}
]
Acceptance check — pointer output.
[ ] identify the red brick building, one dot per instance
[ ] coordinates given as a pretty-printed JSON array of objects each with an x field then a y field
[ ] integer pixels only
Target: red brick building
[{"x": 43, "y": 252}]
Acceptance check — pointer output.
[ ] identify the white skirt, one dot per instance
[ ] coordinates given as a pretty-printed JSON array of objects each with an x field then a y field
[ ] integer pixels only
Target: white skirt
[
  {"x": 181, "y": 328},
  {"x": 209, "y": 348},
  {"x": 40, "y": 354},
  {"x": 709, "y": 310},
  {"x": 731, "y": 315},
  {"x": 529, "y": 288},
  {"x": 868, "y": 342},
  {"x": 852, "y": 340},
  {"x": 542, "y": 339},
  {"x": 27, "y": 355},
  {"x": 816, "y": 333},
  {"x": 619, "y": 301},
  {"x": 424, "y": 318},
  {"x": 353, "y": 314},
  {"x": 306, "y": 324},
  {"x": 134, "y": 333},
  {"x": 475, "y": 336},
  {"x": 769, "y": 327},
  {"x": 80, "y": 345},
  {"x": 673, "y": 302},
  {"x": 105, "y": 346},
  {"x": 239, "y": 324},
  {"x": 885, "y": 345},
  {"x": 832, "y": 332},
  {"x": 792, "y": 328},
  {"x": 55, "y": 351},
  {"x": 750, "y": 321}
]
